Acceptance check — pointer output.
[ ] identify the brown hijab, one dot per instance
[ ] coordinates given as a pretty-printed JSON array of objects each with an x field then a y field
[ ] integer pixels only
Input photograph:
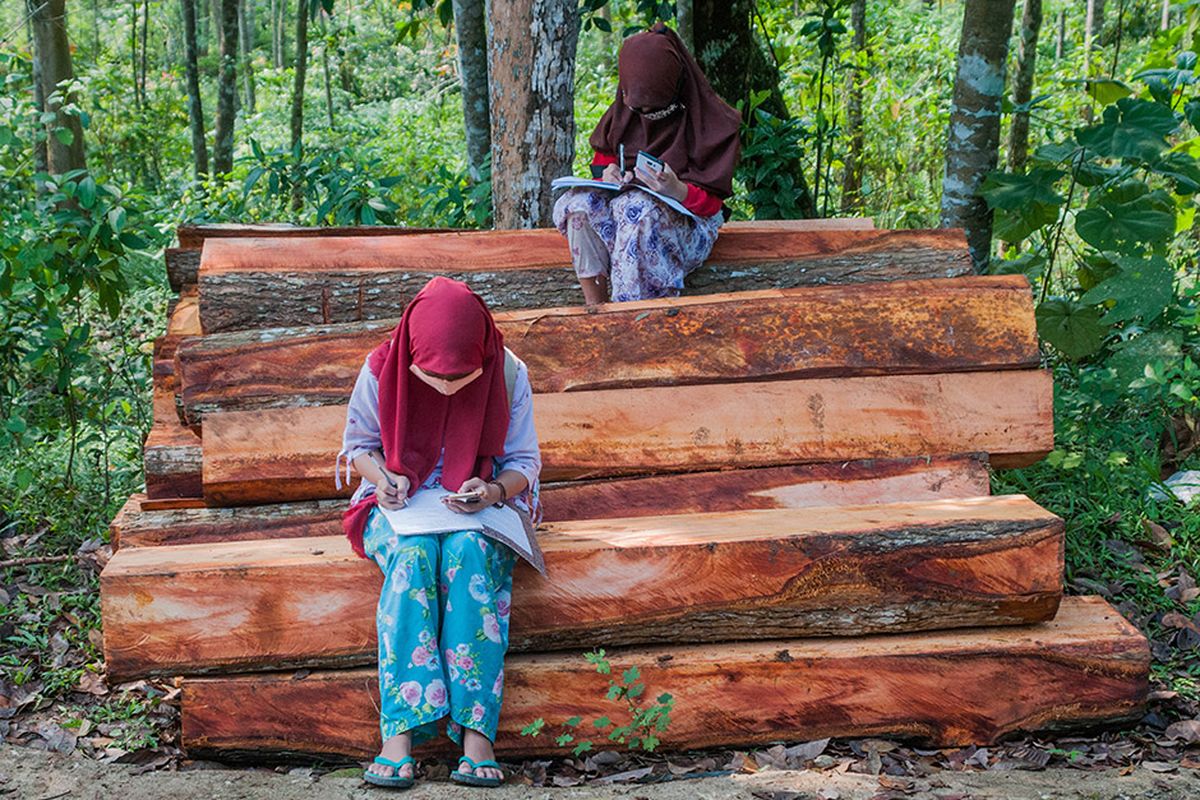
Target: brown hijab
[{"x": 699, "y": 139}]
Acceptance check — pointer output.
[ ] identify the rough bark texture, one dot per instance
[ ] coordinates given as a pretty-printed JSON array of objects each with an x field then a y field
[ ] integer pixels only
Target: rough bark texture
[
  {"x": 40, "y": 158},
  {"x": 470, "y": 28},
  {"x": 853, "y": 175},
  {"x": 830, "y": 571},
  {"x": 531, "y": 67},
  {"x": 1018, "y": 134},
  {"x": 849, "y": 483},
  {"x": 195, "y": 107},
  {"x": 52, "y": 48},
  {"x": 280, "y": 455},
  {"x": 226, "y": 89},
  {"x": 974, "y": 132},
  {"x": 250, "y": 283},
  {"x": 297, "y": 120},
  {"x": 817, "y": 331},
  {"x": 1086, "y": 667}
]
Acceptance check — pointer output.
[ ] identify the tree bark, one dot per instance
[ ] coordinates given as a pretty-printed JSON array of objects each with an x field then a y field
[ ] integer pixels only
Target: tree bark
[
  {"x": 684, "y": 23},
  {"x": 195, "y": 107},
  {"x": 1166, "y": 15},
  {"x": 325, "y": 42},
  {"x": 1018, "y": 135},
  {"x": 736, "y": 64},
  {"x": 974, "y": 131},
  {"x": 247, "y": 29},
  {"x": 133, "y": 53},
  {"x": 471, "y": 29},
  {"x": 226, "y": 89},
  {"x": 852, "y": 179},
  {"x": 145, "y": 46},
  {"x": 1062, "y": 34},
  {"x": 53, "y": 52},
  {"x": 1089, "y": 30},
  {"x": 531, "y": 51},
  {"x": 297, "y": 122}
]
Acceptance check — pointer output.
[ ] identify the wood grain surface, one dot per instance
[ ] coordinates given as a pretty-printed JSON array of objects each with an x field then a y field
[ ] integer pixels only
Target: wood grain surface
[
  {"x": 969, "y": 323},
  {"x": 830, "y": 570},
  {"x": 256, "y": 283},
  {"x": 1086, "y": 667},
  {"x": 279, "y": 455}
]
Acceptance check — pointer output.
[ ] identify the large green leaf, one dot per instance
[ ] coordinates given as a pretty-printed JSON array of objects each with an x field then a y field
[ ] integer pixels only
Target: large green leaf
[
  {"x": 1132, "y": 128},
  {"x": 1074, "y": 329},
  {"x": 1143, "y": 288},
  {"x": 1025, "y": 203},
  {"x": 1120, "y": 221}
]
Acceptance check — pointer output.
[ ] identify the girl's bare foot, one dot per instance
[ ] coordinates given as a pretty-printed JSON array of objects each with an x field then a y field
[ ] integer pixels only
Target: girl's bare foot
[
  {"x": 395, "y": 749},
  {"x": 477, "y": 747}
]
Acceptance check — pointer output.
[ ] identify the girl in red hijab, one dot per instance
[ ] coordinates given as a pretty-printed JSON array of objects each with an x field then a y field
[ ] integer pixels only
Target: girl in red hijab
[
  {"x": 629, "y": 245},
  {"x": 441, "y": 408}
]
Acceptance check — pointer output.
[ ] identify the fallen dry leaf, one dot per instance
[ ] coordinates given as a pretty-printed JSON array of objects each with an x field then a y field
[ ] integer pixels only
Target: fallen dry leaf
[
  {"x": 1188, "y": 730},
  {"x": 1159, "y": 766}
]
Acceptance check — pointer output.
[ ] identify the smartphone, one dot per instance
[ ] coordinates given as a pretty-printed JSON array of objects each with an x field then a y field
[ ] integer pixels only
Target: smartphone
[
  {"x": 649, "y": 163},
  {"x": 464, "y": 497}
]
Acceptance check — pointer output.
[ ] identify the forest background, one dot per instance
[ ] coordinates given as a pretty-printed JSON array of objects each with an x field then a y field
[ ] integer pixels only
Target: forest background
[{"x": 352, "y": 112}]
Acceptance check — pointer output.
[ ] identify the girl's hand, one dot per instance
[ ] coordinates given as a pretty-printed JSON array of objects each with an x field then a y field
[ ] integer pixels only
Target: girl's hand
[
  {"x": 389, "y": 498},
  {"x": 612, "y": 174},
  {"x": 665, "y": 182},
  {"x": 488, "y": 496}
]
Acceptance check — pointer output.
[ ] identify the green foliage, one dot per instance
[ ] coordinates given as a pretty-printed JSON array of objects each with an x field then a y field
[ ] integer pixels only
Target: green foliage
[{"x": 646, "y": 721}]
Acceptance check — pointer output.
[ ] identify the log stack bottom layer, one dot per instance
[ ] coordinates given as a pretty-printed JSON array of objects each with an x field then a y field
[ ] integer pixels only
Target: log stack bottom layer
[{"x": 1088, "y": 666}]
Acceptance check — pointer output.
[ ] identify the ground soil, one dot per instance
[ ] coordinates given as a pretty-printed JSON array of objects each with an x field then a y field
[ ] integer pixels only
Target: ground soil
[{"x": 31, "y": 774}]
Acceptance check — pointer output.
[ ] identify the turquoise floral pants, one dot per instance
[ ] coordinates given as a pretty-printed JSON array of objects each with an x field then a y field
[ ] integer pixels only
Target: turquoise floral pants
[{"x": 442, "y": 623}]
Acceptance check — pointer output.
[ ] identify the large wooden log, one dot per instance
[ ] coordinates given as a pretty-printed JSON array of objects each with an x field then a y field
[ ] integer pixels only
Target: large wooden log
[
  {"x": 804, "y": 486},
  {"x": 183, "y": 262},
  {"x": 975, "y": 323},
  {"x": 1086, "y": 667},
  {"x": 256, "y": 283},
  {"x": 279, "y": 455},
  {"x": 830, "y": 570},
  {"x": 172, "y": 454}
]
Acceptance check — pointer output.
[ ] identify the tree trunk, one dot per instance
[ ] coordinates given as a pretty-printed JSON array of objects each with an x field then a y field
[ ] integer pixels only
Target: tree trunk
[
  {"x": 1018, "y": 135},
  {"x": 53, "y": 52},
  {"x": 246, "y": 27},
  {"x": 974, "y": 131},
  {"x": 531, "y": 51},
  {"x": 195, "y": 107},
  {"x": 852, "y": 179},
  {"x": 301, "y": 72},
  {"x": 133, "y": 53},
  {"x": 226, "y": 89},
  {"x": 737, "y": 64},
  {"x": 325, "y": 70},
  {"x": 684, "y": 18},
  {"x": 276, "y": 61},
  {"x": 39, "y": 96},
  {"x": 145, "y": 44},
  {"x": 1166, "y": 15},
  {"x": 1062, "y": 34},
  {"x": 1089, "y": 23},
  {"x": 471, "y": 30}
]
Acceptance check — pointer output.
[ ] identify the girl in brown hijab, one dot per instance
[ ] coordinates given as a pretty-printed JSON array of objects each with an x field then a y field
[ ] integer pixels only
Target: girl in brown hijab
[{"x": 630, "y": 242}]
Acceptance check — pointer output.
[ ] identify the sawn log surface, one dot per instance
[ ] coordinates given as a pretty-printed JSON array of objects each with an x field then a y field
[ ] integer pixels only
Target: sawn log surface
[
  {"x": 849, "y": 483},
  {"x": 831, "y": 570},
  {"x": 278, "y": 455},
  {"x": 1087, "y": 666},
  {"x": 969, "y": 323},
  {"x": 258, "y": 283}
]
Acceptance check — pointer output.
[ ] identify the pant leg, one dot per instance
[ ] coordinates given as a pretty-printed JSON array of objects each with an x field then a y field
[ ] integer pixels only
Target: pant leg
[
  {"x": 584, "y": 217},
  {"x": 654, "y": 247},
  {"x": 476, "y": 579},
  {"x": 412, "y": 682}
]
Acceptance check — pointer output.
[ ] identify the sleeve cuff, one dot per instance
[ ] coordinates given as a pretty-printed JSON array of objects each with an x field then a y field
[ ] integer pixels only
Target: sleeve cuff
[{"x": 700, "y": 202}]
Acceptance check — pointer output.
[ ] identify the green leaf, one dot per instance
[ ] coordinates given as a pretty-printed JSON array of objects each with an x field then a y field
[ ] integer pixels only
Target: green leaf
[
  {"x": 602, "y": 722},
  {"x": 563, "y": 739},
  {"x": 65, "y": 136},
  {"x": 85, "y": 192},
  {"x": 1074, "y": 329},
  {"x": 630, "y": 675},
  {"x": 534, "y": 728},
  {"x": 1116, "y": 222},
  {"x": 1132, "y": 128},
  {"x": 1143, "y": 289},
  {"x": 1006, "y": 190},
  {"x": 573, "y": 722},
  {"x": 1107, "y": 91},
  {"x": 1129, "y": 358},
  {"x": 24, "y": 478},
  {"x": 583, "y": 747}
]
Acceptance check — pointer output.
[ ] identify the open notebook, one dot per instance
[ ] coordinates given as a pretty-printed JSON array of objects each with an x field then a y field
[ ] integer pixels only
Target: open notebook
[
  {"x": 425, "y": 513},
  {"x": 571, "y": 182}
]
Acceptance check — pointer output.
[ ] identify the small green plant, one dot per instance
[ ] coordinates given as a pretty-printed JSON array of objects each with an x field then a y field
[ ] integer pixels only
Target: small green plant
[{"x": 647, "y": 721}]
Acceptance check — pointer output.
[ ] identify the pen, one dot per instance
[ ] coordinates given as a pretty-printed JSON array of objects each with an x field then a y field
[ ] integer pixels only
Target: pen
[
  {"x": 621, "y": 158},
  {"x": 384, "y": 473}
]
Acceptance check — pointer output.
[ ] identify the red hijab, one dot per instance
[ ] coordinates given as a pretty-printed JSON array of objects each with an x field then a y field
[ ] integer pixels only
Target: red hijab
[
  {"x": 699, "y": 139},
  {"x": 446, "y": 330}
]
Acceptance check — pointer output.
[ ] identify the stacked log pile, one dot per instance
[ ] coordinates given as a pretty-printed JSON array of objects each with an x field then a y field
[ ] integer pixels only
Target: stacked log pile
[{"x": 770, "y": 495}]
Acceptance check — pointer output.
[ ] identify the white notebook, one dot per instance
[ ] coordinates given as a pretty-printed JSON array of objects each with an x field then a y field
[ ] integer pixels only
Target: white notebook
[{"x": 571, "y": 182}]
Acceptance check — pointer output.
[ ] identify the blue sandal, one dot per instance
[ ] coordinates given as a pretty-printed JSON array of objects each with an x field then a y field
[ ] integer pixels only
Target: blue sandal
[
  {"x": 395, "y": 780},
  {"x": 470, "y": 778}
]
